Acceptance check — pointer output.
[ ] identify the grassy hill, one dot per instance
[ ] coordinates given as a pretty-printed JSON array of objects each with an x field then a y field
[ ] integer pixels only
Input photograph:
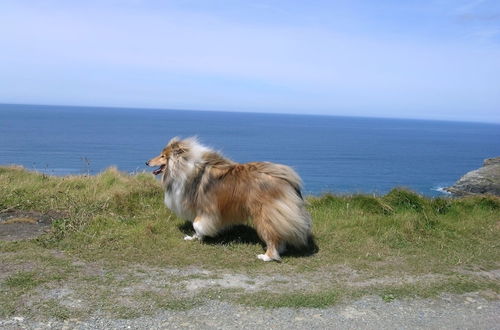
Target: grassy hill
[{"x": 397, "y": 245}]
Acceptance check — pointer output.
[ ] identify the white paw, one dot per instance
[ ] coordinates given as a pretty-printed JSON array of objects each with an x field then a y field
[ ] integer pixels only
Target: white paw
[
  {"x": 264, "y": 257},
  {"x": 190, "y": 238}
]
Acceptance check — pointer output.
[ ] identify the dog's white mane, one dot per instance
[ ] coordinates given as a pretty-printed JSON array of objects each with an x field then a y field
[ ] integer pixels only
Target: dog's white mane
[
  {"x": 179, "y": 171},
  {"x": 196, "y": 150}
]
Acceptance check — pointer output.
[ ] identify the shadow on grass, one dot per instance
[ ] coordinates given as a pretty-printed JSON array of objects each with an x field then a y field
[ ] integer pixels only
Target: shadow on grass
[
  {"x": 242, "y": 234},
  {"x": 310, "y": 249}
]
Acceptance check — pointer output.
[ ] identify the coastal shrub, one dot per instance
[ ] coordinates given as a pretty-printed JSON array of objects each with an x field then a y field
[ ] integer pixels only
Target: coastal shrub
[
  {"x": 441, "y": 205},
  {"x": 467, "y": 204},
  {"x": 403, "y": 199},
  {"x": 370, "y": 204},
  {"x": 487, "y": 202},
  {"x": 328, "y": 200}
]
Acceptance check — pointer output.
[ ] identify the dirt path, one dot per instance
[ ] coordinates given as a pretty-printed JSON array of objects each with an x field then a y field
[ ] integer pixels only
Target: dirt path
[
  {"x": 18, "y": 225},
  {"x": 447, "y": 312},
  {"x": 468, "y": 311}
]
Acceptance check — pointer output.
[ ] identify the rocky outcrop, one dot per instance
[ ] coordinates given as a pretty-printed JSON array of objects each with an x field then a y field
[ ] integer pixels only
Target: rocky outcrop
[{"x": 485, "y": 180}]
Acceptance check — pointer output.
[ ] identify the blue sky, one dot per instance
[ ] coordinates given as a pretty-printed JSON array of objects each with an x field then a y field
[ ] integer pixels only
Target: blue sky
[{"x": 433, "y": 59}]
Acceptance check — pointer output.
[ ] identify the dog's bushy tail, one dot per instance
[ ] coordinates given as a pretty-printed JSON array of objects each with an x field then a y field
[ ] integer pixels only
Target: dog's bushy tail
[
  {"x": 283, "y": 172},
  {"x": 286, "y": 218}
]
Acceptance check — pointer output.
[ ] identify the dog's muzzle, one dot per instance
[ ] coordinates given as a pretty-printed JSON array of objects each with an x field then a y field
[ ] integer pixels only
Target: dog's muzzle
[{"x": 158, "y": 170}]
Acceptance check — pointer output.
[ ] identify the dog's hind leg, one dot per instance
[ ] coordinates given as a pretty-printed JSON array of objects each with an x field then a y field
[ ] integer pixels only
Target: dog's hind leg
[
  {"x": 272, "y": 244},
  {"x": 203, "y": 226},
  {"x": 271, "y": 253},
  {"x": 270, "y": 236}
]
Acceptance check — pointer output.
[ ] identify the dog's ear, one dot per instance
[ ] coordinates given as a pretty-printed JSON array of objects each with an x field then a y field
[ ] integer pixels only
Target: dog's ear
[
  {"x": 179, "y": 148},
  {"x": 173, "y": 140}
]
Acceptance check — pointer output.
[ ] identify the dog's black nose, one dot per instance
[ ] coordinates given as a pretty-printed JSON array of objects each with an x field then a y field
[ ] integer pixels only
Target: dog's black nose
[{"x": 147, "y": 163}]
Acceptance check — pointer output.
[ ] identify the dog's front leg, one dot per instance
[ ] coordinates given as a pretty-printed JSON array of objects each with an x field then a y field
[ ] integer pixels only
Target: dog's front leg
[
  {"x": 203, "y": 226},
  {"x": 193, "y": 237}
]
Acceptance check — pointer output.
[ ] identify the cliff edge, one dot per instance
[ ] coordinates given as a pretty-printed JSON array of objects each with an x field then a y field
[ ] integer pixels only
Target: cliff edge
[{"x": 484, "y": 180}]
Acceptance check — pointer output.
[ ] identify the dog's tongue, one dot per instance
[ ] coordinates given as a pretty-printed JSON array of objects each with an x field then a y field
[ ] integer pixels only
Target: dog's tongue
[{"x": 157, "y": 171}]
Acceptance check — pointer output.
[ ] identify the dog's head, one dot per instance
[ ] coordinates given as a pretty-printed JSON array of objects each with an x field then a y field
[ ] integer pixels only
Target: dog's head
[
  {"x": 175, "y": 148},
  {"x": 175, "y": 154}
]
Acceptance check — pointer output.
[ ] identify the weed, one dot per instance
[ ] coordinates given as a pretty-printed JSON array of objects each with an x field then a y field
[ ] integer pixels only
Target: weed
[
  {"x": 388, "y": 297},
  {"x": 53, "y": 309},
  {"x": 124, "y": 312},
  {"x": 22, "y": 280},
  {"x": 302, "y": 299}
]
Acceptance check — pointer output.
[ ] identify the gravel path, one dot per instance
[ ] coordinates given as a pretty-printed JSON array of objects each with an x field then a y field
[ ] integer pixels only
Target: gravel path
[{"x": 447, "y": 312}]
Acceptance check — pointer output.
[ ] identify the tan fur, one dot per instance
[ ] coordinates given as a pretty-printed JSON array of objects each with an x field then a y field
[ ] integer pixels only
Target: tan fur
[{"x": 214, "y": 192}]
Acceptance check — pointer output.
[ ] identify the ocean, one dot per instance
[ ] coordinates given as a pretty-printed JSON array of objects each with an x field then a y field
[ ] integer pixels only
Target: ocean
[{"x": 343, "y": 155}]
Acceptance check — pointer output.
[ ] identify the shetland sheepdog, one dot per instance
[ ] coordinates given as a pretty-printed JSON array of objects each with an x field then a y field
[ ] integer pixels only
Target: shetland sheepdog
[{"x": 214, "y": 193}]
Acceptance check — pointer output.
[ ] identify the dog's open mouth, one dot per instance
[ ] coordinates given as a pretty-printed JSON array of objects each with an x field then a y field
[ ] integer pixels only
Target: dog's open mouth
[{"x": 159, "y": 170}]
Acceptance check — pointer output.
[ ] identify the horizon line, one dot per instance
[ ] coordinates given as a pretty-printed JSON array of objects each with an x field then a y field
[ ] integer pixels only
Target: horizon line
[{"x": 250, "y": 112}]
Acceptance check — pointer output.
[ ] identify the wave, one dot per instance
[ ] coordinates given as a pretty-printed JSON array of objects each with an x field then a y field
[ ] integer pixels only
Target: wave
[{"x": 442, "y": 190}]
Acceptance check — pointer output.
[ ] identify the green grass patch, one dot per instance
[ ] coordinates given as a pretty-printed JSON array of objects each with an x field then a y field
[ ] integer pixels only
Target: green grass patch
[
  {"x": 53, "y": 309},
  {"x": 321, "y": 299},
  {"x": 454, "y": 284},
  {"x": 22, "y": 280},
  {"x": 125, "y": 312}
]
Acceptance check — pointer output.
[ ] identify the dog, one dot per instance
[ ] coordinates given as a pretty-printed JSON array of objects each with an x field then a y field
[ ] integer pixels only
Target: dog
[{"x": 214, "y": 193}]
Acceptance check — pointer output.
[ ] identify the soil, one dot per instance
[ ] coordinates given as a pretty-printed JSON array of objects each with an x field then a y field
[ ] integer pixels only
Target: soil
[{"x": 19, "y": 225}]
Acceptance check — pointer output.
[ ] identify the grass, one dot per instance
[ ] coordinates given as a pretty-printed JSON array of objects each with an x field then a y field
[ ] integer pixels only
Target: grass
[
  {"x": 22, "y": 280},
  {"x": 297, "y": 299},
  {"x": 117, "y": 219}
]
